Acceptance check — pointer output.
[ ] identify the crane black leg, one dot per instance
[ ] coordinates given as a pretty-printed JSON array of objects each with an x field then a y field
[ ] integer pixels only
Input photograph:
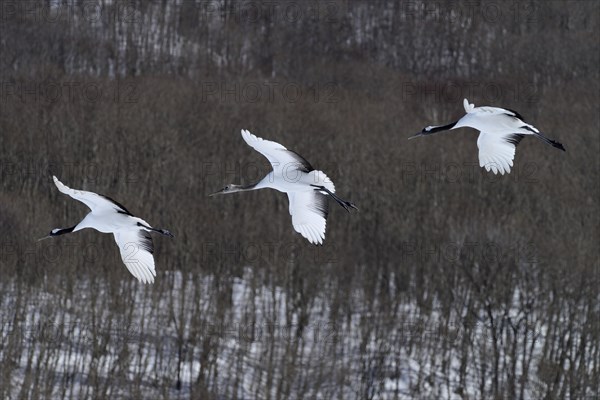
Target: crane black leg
[
  {"x": 346, "y": 204},
  {"x": 161, "y": 231},
  {"x": 164, "y": 232}
]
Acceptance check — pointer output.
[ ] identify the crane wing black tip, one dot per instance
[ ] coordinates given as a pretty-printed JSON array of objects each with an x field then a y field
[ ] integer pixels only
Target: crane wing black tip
[
  {"x": 120, "y": 207},
  {"x": 145, "y": 241},
  {"x": 515, "y": 139}
]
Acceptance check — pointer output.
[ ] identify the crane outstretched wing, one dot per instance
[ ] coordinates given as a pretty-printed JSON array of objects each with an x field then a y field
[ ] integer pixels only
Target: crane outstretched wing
[
  {"x": 281, "y": 159},
  {"x": 94, "y": 201},
  {"x": 496, "y": 152},
  {"x": 487, "y": 110},
  {"x": 136, "y": 250},
  {"x": 309, "y": 214}
]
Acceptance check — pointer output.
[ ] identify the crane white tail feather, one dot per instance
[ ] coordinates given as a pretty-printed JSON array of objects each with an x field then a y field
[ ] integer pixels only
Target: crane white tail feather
[{"x": 320, "y": 179}]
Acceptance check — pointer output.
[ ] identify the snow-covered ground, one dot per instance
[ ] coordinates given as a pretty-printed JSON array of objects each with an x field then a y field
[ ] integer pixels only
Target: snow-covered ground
[{"x": 263, "y": 343}]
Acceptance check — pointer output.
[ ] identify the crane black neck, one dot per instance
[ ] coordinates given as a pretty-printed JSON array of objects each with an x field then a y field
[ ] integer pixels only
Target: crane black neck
[
  {"x": 436, "y": 129},
  {"x": 62, "y": 231}
]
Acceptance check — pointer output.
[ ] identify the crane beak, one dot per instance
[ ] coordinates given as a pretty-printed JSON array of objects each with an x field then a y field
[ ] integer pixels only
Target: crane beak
[
  {"x": 416, "y": 135},
  {"x": 215, "y": 193},
  {"x": 45, "y": 237}
]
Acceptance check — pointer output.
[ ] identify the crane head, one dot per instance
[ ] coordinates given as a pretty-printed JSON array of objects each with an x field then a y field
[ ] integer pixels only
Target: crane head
[
  {"x": 58, "y": 231},
  {"x": 52, "y": 233},
  {"x": 430, "y": 130},
  {"x": 425, "y": 131},
  {"x": 231, "y": 188}
]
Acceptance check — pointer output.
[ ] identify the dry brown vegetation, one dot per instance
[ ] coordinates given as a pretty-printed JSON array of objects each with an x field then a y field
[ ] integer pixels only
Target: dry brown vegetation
[{"x": 450, "y": 282}]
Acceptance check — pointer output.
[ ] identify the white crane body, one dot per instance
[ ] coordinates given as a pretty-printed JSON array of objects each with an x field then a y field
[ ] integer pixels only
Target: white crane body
[
  {"x": 500, "y": 129},
  {"x": 131, "y": 233},
  {"x": 307, "y": 188}
]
